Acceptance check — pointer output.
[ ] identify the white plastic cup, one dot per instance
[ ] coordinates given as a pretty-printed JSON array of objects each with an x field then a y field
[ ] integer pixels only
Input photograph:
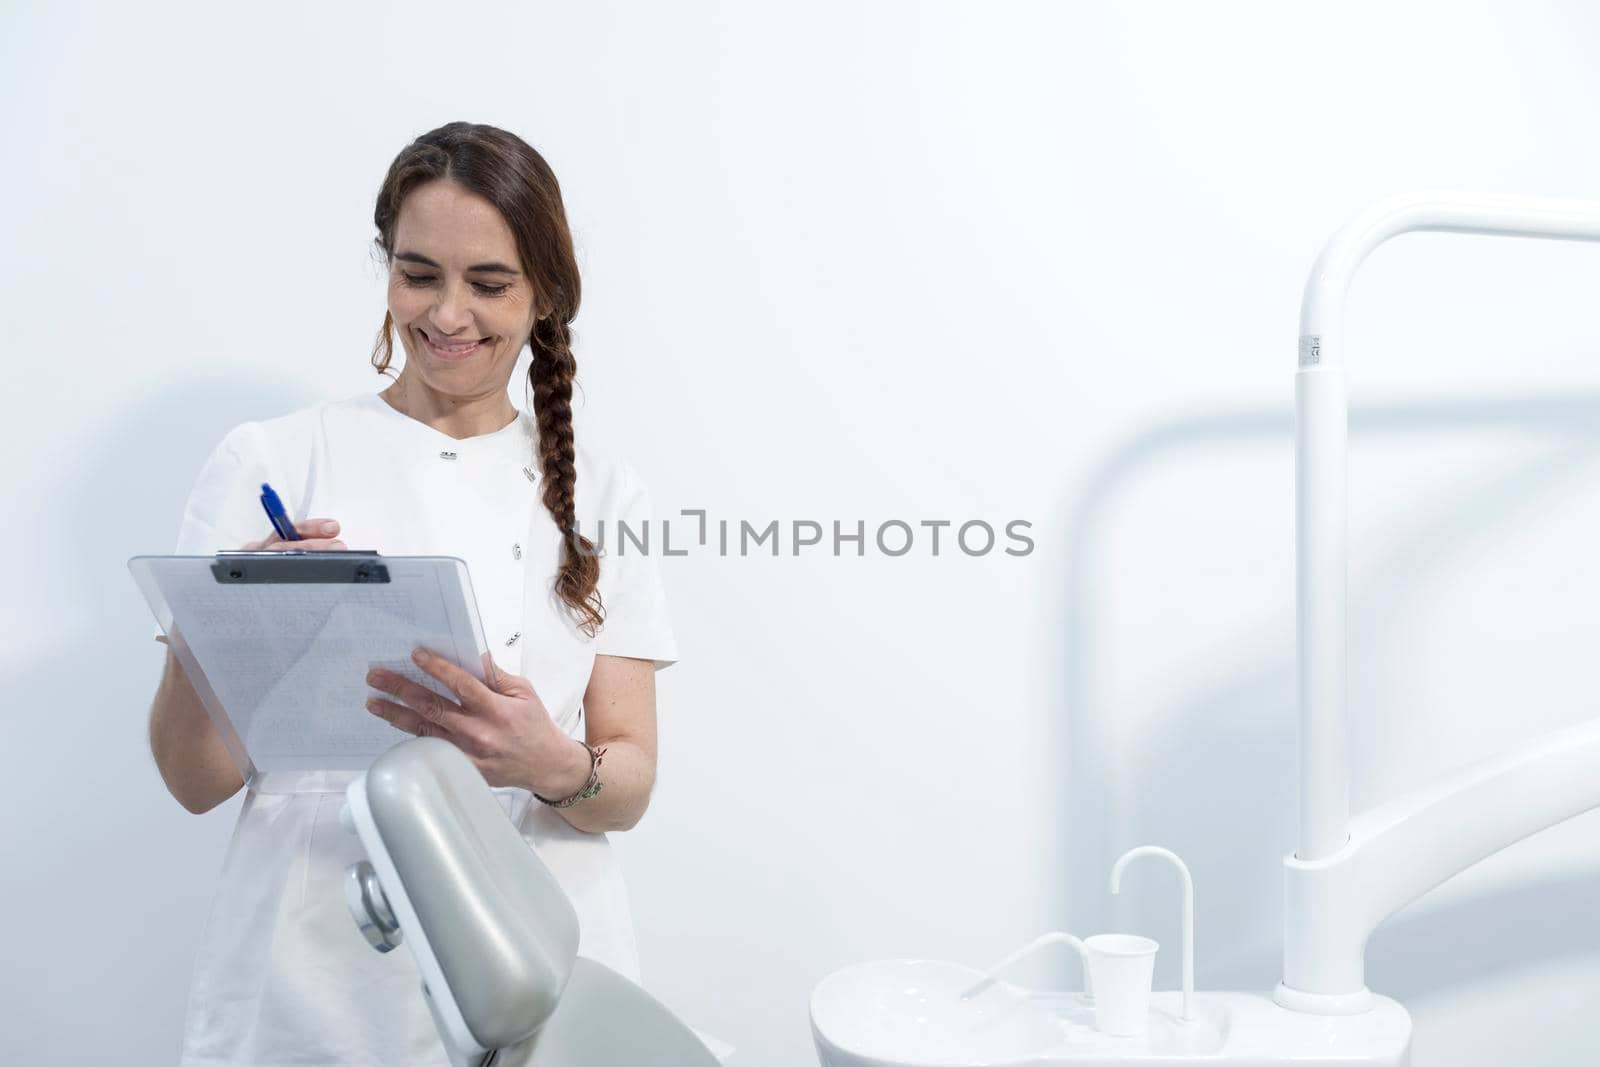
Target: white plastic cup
[{"x": 1121, "y": 968}]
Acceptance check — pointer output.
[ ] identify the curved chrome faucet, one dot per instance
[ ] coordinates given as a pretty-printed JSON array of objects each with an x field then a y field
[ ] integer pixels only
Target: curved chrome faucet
[{"x": 1188, "y": 913}]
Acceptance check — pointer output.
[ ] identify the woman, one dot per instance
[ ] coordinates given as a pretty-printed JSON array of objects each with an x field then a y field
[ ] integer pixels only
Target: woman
[{"x": 471, "y": 224}]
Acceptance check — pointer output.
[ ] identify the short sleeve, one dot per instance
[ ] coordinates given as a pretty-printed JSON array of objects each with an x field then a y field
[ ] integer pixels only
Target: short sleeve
[
  {"x": 223, "y": 509},
  {"x": 632, "y": 595}
]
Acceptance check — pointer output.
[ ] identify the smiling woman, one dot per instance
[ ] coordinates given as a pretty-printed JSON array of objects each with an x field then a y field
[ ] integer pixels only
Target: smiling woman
[
  {"x": 450, "y": 310},
  {"x": 441, "y": 462}
]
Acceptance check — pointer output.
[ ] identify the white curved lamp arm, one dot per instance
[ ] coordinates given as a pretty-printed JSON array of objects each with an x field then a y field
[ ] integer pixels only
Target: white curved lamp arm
[
  {"x": 1188, "y": 912},
  {"x": 1328, "y": 915},
  {"x": 1400, "y": 850}
]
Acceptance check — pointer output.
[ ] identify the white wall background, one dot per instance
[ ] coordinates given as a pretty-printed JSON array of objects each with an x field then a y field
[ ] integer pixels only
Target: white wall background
[{"x": 857, "y": 261}]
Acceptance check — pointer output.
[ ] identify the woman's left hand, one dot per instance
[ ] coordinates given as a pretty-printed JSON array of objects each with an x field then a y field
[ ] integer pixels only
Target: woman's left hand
[{"x": 502, "y": 727}]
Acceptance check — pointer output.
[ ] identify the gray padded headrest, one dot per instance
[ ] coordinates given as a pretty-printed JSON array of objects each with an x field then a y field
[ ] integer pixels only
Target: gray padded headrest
[{"x": 501, "y": 927}]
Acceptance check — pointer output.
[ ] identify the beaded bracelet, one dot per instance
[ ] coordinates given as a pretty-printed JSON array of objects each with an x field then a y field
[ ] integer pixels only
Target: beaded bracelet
[{"x": 590, "y": 788}]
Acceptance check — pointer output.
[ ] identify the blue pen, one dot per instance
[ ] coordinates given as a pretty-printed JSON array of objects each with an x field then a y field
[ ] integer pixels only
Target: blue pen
[{"x": 275, "y": 512}]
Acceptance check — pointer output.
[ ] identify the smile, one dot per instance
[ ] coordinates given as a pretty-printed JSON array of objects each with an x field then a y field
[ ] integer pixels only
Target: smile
[{"x": 456, "y": 351}]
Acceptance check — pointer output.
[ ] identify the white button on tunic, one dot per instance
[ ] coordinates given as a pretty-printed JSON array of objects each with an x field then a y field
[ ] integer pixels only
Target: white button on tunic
[{"x": 283, "y": 976}]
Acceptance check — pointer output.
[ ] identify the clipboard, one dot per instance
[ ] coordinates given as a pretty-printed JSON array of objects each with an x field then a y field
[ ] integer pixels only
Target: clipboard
[{"x": 278, "y": 645}]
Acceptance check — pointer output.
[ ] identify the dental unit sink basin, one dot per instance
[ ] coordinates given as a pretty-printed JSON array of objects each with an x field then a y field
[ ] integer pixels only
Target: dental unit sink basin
[
  {"x": 910, "y": 1013},
  {"x": 930, "y": 1013}
]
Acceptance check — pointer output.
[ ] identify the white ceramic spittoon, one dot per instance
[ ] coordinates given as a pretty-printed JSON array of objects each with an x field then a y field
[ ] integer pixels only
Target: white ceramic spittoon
[
  {"x": 926, "y": 1013},
  {"x": 922, "y": 1013}
]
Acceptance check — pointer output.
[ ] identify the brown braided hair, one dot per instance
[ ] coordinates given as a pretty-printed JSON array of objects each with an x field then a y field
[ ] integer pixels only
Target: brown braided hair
[{"x": 506, "y": 171}]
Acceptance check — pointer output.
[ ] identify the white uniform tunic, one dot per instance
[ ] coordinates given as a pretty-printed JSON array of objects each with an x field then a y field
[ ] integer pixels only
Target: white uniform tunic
[{"x": 283, "y": 976}]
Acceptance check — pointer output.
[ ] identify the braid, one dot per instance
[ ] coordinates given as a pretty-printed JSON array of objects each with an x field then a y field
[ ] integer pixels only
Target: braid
[
  {"x": 503, "y": 169},
  {"x": 551, "y": 375}
]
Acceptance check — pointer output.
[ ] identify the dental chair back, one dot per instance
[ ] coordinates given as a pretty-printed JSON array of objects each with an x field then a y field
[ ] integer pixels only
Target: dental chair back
[{"x": 493, "y": 934}]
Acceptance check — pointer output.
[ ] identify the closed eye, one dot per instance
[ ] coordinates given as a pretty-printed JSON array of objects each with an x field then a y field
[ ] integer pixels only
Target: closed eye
[{"x": 420, "y": 280}]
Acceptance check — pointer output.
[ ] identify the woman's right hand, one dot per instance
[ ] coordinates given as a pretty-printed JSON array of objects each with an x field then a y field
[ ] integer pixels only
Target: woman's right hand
[{"x": 317, "y": 535}]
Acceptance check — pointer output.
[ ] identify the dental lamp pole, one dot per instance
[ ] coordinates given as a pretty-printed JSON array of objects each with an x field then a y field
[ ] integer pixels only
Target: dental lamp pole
[{"x": 1344, "y": 880}]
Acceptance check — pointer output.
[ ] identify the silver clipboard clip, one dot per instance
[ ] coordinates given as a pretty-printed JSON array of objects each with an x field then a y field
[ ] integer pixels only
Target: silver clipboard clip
[{"x": 292, "y": 565}]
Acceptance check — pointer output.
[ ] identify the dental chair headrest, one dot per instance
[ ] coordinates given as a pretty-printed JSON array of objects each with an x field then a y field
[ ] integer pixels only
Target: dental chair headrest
[{"x": 499, "y": 925}]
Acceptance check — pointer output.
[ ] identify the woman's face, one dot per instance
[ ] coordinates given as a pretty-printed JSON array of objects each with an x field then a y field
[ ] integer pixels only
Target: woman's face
[{"x": 457, "y": 292}]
